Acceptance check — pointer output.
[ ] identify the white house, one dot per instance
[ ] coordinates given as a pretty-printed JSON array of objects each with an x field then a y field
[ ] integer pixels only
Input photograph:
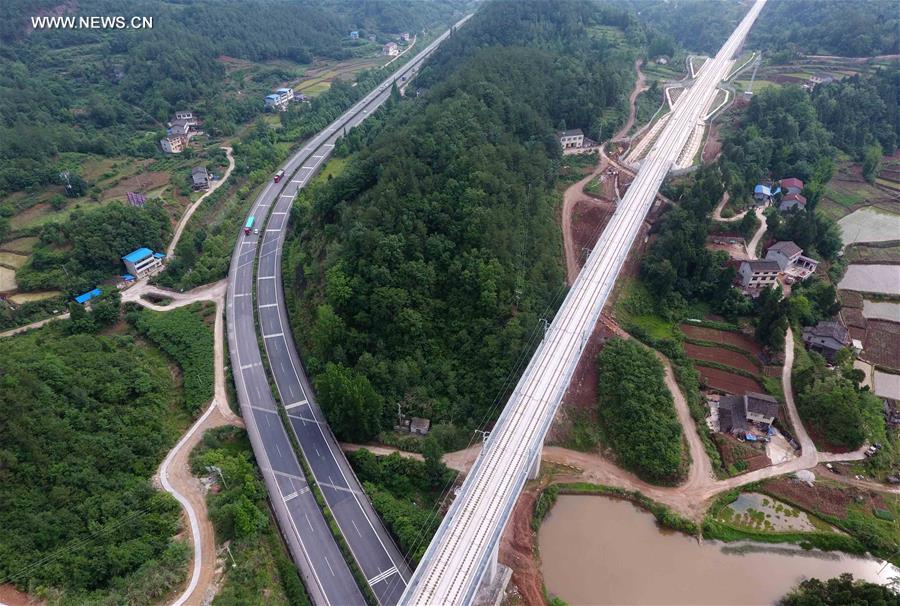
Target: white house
[
  {"x": 174, "y": 144},
  {"x": 757, "y": 275},
  {"x": 391, "y": 49},
  {"x": 143, "y": 262},
  {"x": 279, "y": 100},
  {"x": 571, "y": 138},
  {"x": 790, "y": 260}
]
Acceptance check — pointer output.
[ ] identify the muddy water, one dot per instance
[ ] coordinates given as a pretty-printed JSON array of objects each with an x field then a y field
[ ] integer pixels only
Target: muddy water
[{"x": 597, "y": 550}]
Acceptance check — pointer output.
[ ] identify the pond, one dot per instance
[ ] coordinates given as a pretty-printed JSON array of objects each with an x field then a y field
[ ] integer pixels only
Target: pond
[
  {"x": 598, "y": 550},
  {"x": 869, "y": 224},
  {"x": 881, "y": 310}
]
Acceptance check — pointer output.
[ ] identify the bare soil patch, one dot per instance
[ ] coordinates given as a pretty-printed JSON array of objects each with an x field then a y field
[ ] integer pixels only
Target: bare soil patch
[
  {"x": 713, "y": 145},
  {"x": 517, "y": 548},
  {"x": 589, "y": 219},
  {"x": 722, "y": 336},
  {"x": 722, "y": 356},
  {"x": 10, "y": 596},
  {"x": 822, "y": 498},
  {"x": 723, "y": 380},
  {"x": 141, "y": 183}
]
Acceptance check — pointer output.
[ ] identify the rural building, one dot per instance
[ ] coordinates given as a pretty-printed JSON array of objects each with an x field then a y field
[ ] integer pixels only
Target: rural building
[
  {"x": 662, "y": 60},
  {"x": 390, "y": 49},
  {"x": 186, "y": 115},
  {"x": 792, "y": 185},
  {"x": 826, "y": 338},
  {"x": 419, "y": 426},
  {"x": 790, "y": 259},
  {"x": 354, "y": 35},
  {"x": 757, "y": 275},
  {"x": 143, "y": 262},
  {"x": 279, "y": 100},
  {"x": 763, "y": 193},
  {"x": 571, "y": 138},
  {"x": 174, "y": 144},
  {"x": 199, "y": 178},
  {"x": 791, "y": 202},
  {"x": 405, "y": 36},
  {"x": 738, "y": 414},
  {"x": 82, "y": 299}
]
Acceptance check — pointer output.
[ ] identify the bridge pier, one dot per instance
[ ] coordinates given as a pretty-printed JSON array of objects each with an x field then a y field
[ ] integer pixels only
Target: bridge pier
[
  {"x": 535, "y": 470},
  {"x": 492, "y": 588}
]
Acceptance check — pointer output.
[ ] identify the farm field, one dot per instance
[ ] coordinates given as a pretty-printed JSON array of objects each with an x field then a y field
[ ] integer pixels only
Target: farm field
[
  {"x": 885, "y": 252},
  {"x": 7, "y": 279},
  {"x": 722, "y": 356},
  {"x": 12, "y": 260},
  {"x": 882, "y": 343},
  {"x": 883, "y": 279},
  {"x": 724, "y": 336},
  {"x": 729, "y": 382},
  {"x": 20, "y": 245},
  {"x": 869, "y": 224},
  {"x": 27, "y": 297}
]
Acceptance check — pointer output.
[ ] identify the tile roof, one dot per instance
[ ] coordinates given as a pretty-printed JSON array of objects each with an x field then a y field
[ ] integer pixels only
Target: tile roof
[{"x": 787, "y": 248}]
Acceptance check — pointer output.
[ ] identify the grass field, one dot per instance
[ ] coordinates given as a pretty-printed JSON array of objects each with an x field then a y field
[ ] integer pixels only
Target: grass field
[{"x": 332, "y": 168}]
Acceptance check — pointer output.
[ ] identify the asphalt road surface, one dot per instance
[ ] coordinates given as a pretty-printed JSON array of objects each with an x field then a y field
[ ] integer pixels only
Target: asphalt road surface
[{"x": 309, "y": 539}]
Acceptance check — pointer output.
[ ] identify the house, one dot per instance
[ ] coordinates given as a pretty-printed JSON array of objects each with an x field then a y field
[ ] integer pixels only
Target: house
[
  {"x": 790, "y": 259},
  {"x": 199, "y": 178},
  {"x": 419, "y": 426},
  {"x": 174, "y": 144},
  {"x": 354, "y": 35},
  {"x": 279, "y": 100},
  {"x": 371, "y": 37},
  {"x": 826, "y": 338},
  {"x": 405, "y": 36},
  {"x": 179, "y": 127},
  {"x": 82, "y": 299},
  {"x": 764, "y": 194},
  {"x": 738, "y": 414},
  {"x": 390, "y": 49},
  {"x": 757, "y": 275},
  {"x": 792, "y": 201},
  {"x": 792, "y": 185},
  {"x": 571, "y": 138},
  {"x": 143, "y": 262},
  {"x": 662, "y": 60},
  {"x": 186, "y": 115}
]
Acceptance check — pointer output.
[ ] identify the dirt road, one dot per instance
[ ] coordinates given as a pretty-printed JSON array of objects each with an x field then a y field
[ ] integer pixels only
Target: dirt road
[
  {"x": 717, "y": 213},
  {"x": 170, "y": 251},
  {"x": 763, "y": 226},
  {"x": 639, "y": 86},
  {"x": 570, "y": 197}
]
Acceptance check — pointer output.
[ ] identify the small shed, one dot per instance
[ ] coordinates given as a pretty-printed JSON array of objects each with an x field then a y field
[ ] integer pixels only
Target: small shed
[
  {"x": 419, "y": 426},
  {"x": 82, "y": 299}
]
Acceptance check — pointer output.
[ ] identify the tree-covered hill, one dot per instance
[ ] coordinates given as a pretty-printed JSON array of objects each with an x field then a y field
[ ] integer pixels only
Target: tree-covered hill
[
  {"x": 860, "y": 28},
  {"x": 426, "y": 265}
]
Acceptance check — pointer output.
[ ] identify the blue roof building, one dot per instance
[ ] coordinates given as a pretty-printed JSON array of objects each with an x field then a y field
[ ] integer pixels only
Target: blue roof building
[
  {"x": 143, "y": 262},
  {"x": 354, "y": 35},
  {"x": 137, "y": 255},
  {"x": 82, "y": 299}
]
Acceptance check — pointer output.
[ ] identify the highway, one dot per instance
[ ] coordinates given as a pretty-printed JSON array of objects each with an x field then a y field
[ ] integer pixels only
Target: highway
[
  {"x": 312, "y": 546},
  {"x": 464, "y": 546}
]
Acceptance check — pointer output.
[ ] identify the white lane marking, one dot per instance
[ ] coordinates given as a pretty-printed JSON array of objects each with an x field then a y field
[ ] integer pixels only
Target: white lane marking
[
  {"x": 291, "y": 496},
  {"x": 277, "y": 334},
  {"x": 329, "y": 566},
  {"x": 382, "y": 576},
  {"x": 311, "y": 528},
  {"x": 246, "y": 366},
  {"x": 318, "y": 454},
  {"x": 268, "y": 305},
  {"x": 265, "y": 277},
  {"x": 356, "y": 527},
  {"x": 295, "y": 405}
]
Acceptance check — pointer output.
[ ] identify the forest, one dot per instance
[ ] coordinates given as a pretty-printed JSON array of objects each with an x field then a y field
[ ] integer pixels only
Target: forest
[
  {"x": 425, "y": 266},
  {"x": 699, "y": 26},
  {"x": 637, "y": 412},
  {"x": 861, "y": 28},
  {"x": 840, "y": 591},
  {"x": 84, "y": 422}
]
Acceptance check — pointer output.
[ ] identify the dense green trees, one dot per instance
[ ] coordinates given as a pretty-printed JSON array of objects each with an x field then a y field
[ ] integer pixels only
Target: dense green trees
[
  {"x": 637, "y": 411},
  {"x": 699, "y": 26},
  {"x": 861, "y": 112},
  {"x": 78, "y": 254},
  {"x": 828, "y": 27},
  {"x": 183, "y": 335},
  {"x": 351, "y": 404},
  {"x": 772, "y": 318},
  {"x": 406, "y": 494},
  {"x": 425, "y": 265},
  {"x": 840, "y": 591},
  {"x": 84, "y": 422},
  {"x": 832, "y": 403}
]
